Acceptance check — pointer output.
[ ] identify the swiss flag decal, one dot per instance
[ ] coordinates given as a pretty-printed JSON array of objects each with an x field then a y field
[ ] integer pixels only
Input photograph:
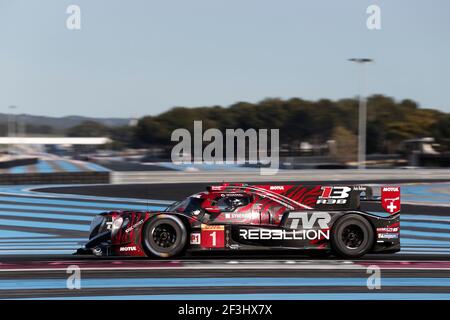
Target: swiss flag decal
[{"x": 390, "y": 199}]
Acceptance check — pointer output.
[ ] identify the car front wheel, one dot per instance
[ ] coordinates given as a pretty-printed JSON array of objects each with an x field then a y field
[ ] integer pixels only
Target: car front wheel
[{"x": 165, "y": 236}]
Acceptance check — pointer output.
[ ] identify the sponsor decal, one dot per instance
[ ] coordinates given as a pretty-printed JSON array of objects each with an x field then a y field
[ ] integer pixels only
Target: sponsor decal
[
  {"x": 238, "y": 215},
  {"x": 302, "y": 225},
  {"x": 308, "y": 220},
  {"x": 207, "y": 227},
  {"x": 388, "y": 236},
  {"x": 388, "y": 230},
  {"x": 127, "y": 249},
  {"x": 195, "y": 238},
  {"x": 281, "y": 234},
  {"x": 233, "y": 194},
  {"x": 334, "y": 195},
  {"x": 277, "y": 188},
  {"x": 390, "y": 199},
  {"x": 128, "y": 230}
]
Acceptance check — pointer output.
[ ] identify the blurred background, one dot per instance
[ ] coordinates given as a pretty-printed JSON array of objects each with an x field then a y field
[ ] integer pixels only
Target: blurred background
[
  {"x": 79, "y": 104},
  {"x": 91, "y": 91}
]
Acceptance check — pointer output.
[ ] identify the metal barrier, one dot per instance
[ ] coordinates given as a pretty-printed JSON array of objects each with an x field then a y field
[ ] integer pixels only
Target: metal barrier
[
  {"x": 54, "y": 178},
  {"x": 17, "y": 162},
  {"x": 282, "y": 175}
]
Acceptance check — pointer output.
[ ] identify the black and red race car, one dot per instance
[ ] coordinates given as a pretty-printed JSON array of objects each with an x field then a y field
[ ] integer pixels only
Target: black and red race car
[{"x": 318, "y": 219}]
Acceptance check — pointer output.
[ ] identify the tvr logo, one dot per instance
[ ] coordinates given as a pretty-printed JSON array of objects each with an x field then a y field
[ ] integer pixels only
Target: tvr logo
[
  {"x": 308, "y": 222},
  {"x": 334, "y": 195}
]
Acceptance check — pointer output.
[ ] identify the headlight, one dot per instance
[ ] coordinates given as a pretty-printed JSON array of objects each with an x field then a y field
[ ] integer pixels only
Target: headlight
[{"x": 116, "y": 225}]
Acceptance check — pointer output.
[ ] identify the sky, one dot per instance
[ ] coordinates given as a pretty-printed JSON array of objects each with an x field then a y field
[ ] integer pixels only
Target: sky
[{"x": 135, "y": 58}]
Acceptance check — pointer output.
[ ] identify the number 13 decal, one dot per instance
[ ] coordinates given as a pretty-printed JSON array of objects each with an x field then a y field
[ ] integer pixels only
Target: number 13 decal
[{"x": 335, "y": 192}]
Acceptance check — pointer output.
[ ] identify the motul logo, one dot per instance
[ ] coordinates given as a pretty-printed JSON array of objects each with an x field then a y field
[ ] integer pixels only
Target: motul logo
[
  {"x": 276, "y": 188},
  {"x": 127, "y": 249},
  {"x": 391, "y": 189}
]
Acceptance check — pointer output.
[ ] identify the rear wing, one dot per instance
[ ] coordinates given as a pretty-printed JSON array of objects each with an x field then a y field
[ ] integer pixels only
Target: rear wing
[
  {"x": 366, "y": 193},
  {"x": 350, "y": 198},
  {"x": 342, "y": 197},
  {"x": 388, "y": 196}
]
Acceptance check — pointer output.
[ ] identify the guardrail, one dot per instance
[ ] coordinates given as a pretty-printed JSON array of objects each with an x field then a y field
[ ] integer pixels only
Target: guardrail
[
  {"x": 17, "y": 162},
  {"x": 224, "y": 176},
  {"x": 54, "y": 178},
  {"x": 282, "y": 175}
]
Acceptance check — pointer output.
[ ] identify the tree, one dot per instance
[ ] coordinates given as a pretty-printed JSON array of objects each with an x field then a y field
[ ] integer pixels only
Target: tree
[
  {"x": 346, "y": 144},
  {"x": 389, "y": 122},
  {"x": 88, "y": 129},
  {"x": 442, "y": 128}
]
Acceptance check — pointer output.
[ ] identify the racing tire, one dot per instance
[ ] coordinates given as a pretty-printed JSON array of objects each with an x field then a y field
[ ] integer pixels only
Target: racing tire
[
  {"x": 165, "y": 236},
  {"x": 352, "y": 236}
]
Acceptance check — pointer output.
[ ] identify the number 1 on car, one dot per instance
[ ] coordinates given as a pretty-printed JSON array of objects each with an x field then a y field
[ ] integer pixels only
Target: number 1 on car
[{"x": 213, "y": 236}]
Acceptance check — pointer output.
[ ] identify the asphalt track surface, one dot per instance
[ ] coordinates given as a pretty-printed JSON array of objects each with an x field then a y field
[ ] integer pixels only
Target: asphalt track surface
[{"x": 40, "y": 229}]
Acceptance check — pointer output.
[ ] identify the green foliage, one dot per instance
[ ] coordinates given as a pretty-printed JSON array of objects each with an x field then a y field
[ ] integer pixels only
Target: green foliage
[
  {"x": 89, "y": 129},
  {"x": 389, "y": 122},
  {"x": 30, "y": 129},
  {"x": 346, "y": 143},
  {"x": 442, "y": 127}
]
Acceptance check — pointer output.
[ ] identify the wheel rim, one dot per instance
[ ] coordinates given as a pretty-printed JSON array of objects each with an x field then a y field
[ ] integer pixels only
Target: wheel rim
[
  {"x": 352, "y": 236},
  {"x": 164, "y": 236}
]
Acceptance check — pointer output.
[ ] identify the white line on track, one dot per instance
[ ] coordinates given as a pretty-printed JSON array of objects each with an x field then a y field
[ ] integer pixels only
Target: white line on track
[
  {"x": 243, "y": 266},
  {"x": 200, "y": 267}
]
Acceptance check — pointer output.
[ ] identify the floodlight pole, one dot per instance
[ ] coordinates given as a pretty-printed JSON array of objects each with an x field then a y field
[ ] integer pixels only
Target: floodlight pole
[
  {"x": 11, "y": 125},
  {"x": 362, "y": 113}
]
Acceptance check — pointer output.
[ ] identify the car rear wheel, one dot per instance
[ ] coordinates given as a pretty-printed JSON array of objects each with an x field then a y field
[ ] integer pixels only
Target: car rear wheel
[
  {"x": 352, "y": 236},
  {"x": 165, "y": 236}
]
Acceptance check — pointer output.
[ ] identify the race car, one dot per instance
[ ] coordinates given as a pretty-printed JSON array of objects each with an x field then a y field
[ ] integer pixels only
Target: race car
[{"x": 316, "y": 219}]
